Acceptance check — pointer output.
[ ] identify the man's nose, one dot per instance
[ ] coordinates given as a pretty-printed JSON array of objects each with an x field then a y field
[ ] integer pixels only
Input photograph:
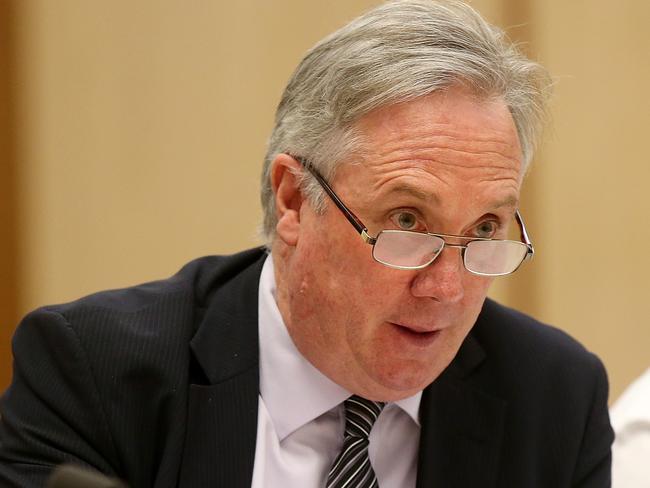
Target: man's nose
[{"x": 442, "y": 280}]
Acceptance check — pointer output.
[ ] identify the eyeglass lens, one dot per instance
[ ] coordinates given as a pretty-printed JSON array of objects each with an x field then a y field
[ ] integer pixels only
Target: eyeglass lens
[
  {"x": 415, "y": 250},
  {"x": 406, "y": 249},
  {"x": 494, "y": 257}
]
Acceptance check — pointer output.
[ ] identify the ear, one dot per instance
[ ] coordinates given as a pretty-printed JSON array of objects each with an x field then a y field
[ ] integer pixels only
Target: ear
[{"x": 288, "y": 198}]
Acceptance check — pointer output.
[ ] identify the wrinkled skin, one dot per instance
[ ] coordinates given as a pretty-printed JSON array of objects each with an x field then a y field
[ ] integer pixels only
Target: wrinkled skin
[{"x": 446, "y": 163}]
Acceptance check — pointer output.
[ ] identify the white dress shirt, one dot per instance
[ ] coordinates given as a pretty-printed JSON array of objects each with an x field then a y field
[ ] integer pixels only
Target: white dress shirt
[
  {"x": 301, "y": 419},
  {"x": 630, "y": 417}
]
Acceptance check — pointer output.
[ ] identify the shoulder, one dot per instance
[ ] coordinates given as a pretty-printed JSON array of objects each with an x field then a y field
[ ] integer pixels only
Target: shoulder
[
  {"x": 127, "y": 327},
  {"x": 556, "y": 393},
  {"x": 196, "y": 279},
  {"x": 151, "y": 305},
  {"x": 108, "y": 374},
  {"x": 537, "y": 367},
  {"x": 517, "y": 339}
]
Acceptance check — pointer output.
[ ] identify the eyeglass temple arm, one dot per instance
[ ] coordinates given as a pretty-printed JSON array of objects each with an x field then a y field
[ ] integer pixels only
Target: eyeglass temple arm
[
  {"x": 353, "y": 219},
  {"x": 524, "y": 235},
  {"x": 363, "y": 230}
]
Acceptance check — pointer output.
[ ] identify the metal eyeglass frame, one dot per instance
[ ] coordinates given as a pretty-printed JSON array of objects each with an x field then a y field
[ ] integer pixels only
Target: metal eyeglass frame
[{"x": 367, "y": 238}]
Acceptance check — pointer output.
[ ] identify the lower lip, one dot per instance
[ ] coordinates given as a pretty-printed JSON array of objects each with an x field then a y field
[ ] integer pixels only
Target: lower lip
[{"x": 418, "y": 339}]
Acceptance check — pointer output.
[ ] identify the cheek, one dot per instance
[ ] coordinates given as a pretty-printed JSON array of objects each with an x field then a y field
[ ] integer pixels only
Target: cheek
[
  {"x": 373, "y": 297},
  {"x": 476, "y": 288},
  {"x": 349, "y": 300},
  {"x": 326, "y": 288},
  {"x": 340, "y": 283},
  {"x": 475, "y": 291}
]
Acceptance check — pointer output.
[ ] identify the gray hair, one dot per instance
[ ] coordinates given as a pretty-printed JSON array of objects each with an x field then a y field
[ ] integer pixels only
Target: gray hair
[{"x": 397, "y": 52}]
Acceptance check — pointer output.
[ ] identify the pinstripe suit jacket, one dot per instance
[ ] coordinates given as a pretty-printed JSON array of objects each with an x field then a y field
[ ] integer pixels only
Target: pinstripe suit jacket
[{"x": 158, "y": 384}]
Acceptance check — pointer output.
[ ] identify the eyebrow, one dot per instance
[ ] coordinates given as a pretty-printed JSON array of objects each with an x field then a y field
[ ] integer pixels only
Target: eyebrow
[
  {"x": 416, "y": 193},
  {"x": 510, "y": 201}
]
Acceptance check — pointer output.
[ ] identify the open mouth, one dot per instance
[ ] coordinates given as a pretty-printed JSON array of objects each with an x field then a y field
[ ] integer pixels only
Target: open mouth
[{"x": 416, "y": 337}]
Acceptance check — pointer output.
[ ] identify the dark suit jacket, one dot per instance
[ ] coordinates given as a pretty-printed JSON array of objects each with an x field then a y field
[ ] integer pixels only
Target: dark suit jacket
[{"x": 158, "y": 384}]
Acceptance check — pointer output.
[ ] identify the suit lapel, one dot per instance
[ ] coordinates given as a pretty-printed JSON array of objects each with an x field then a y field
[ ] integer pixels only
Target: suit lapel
[
  {"x": 222, "y": 414},
  {"x": 462, "y": 427}
]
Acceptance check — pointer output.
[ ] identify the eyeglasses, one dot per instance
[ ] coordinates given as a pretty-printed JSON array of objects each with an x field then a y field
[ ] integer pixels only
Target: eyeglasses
[{"x": 405, "y": 249}]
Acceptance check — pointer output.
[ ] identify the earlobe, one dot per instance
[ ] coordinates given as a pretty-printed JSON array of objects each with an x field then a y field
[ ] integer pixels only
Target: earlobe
[{"x": 288, "y": 198}]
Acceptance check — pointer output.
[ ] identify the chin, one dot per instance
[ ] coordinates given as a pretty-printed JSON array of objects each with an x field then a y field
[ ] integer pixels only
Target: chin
[{"x": 403, "y": 382}]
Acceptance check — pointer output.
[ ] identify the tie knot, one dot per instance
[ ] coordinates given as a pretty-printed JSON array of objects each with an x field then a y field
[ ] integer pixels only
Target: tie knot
[{"x": 360, "y": 415}]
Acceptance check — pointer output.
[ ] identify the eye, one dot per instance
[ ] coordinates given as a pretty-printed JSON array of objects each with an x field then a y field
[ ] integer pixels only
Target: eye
[
  {"x": 487, "y": 229},
  {"x": 405, "y": 220}
]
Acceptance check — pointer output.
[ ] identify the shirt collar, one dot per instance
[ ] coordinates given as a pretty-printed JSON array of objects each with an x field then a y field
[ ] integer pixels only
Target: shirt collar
[{"x": 293, "y": 390}]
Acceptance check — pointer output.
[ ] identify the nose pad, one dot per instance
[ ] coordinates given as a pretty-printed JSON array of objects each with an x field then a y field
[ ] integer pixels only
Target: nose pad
[{"x": 442, "y": 280}]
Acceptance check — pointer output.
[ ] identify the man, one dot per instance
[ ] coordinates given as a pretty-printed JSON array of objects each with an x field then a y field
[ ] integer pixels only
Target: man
[{"x": 362, "y": 351}]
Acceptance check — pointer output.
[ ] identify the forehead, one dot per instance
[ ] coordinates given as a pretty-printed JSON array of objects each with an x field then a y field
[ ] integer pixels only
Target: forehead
[
  {"x": 447, "y": 144},
  {"x": 452, "y": 115}
]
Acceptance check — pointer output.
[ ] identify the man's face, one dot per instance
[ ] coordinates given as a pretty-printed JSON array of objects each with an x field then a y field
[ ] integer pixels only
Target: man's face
[{"x": 446, "y": 163}]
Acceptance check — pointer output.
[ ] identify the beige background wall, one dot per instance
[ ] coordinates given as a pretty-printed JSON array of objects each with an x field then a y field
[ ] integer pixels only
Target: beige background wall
[{"x": 138, "y": 130}]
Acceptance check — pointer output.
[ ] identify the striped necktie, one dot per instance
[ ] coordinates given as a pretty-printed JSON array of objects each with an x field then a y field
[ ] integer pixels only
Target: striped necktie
[{"x": 351, "y": 468}]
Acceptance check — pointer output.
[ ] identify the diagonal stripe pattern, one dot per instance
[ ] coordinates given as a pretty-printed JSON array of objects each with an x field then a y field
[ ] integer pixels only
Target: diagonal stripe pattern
[{"x": 351, "y": 468}]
